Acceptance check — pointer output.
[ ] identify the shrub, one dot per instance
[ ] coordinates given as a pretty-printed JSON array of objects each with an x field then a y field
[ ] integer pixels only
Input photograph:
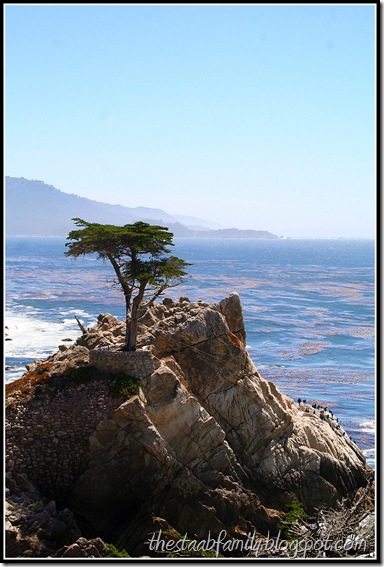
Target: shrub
[
  {"x": 123, "y": 385},
  {"x": 295, "y": 512},
  {"x": 112, "y": 551},
  {"x": 80, "y": 374}
]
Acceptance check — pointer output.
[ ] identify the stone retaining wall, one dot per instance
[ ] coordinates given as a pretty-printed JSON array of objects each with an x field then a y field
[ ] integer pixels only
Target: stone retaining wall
[
  {"x": 138, "y": 364},
  {"x": 47, "y": 437}
]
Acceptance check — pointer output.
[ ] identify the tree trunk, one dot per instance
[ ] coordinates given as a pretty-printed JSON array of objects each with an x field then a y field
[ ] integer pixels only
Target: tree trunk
[
  {"x": 127, "y": 334},
  {"x": 131, "y": 338},
  {"x": 131, "y": 323},
  {"x": 127, "y": 324},
  {"x": 130, "y": 345}
]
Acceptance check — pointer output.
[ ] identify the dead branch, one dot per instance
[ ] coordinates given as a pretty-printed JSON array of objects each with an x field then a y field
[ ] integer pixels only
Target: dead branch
[{"x": 82, "y": 328}]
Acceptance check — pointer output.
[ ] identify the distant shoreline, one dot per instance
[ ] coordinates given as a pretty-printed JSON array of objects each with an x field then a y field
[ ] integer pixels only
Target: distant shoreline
[{"x": 336, "y": 238}]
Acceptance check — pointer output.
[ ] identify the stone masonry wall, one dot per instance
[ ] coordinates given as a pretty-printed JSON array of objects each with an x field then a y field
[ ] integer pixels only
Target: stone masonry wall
[
  {"x": 138, "y": 364},
  {"x": 47, "y": 437}
]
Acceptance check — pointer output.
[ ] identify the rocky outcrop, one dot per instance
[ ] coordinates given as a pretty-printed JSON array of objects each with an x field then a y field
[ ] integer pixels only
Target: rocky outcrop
[
  {"x": 207, "y": 444},
  {"x": 34, "y": 525},
  {"x": 83, "y": 548},
  {"x": 223, "y": 444}
]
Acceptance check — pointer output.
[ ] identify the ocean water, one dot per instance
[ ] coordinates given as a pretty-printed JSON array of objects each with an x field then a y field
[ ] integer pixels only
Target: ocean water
[{"x": 309, "y": 309}]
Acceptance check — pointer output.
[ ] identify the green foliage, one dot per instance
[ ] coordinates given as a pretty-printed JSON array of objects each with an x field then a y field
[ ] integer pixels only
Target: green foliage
[
  {"x": 119, "y": 383},
  {"x": 80, "y": 374},
  {"x": 130, "y": 239},
  {"x": 123, "y": 385},
  {"x": 112, "y": 551},
  {"x": 295, "y": 512},
  {"x": 139, "y": 255}
]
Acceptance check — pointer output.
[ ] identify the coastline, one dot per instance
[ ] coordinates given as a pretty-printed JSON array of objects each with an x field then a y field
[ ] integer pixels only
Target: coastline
[
  {"x": 281, "y": 313},
  {"x": 58, "y": 391}
]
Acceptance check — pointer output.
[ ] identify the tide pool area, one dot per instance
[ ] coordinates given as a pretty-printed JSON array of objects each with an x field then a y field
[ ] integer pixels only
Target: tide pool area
[{"x": 309, "y": 310}]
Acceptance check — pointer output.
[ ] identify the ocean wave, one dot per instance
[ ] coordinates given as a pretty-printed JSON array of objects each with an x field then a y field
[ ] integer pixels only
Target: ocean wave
[
  {"x": 31, "y": 337},
  {"x": 78, "y": 312},
  {"x": 368, "y": 426},
  {"x": 370, "y": 456},
  {"x": 369, "y": 452}
]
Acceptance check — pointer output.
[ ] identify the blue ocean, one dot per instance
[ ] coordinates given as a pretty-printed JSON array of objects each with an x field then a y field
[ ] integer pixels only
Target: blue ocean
[{"x": 309, "y": 308}]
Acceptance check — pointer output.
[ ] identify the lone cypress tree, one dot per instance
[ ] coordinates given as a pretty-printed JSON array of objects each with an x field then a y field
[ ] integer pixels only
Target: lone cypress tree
[{"x": 139, "y": 255}]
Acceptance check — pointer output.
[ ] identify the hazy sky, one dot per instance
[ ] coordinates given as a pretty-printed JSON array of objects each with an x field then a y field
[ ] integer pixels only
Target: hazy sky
[{"x": 252, "y": 116}]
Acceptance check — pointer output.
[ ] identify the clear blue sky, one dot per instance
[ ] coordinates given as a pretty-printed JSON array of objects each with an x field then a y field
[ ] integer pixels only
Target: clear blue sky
[{"x": 252, "y": 116}]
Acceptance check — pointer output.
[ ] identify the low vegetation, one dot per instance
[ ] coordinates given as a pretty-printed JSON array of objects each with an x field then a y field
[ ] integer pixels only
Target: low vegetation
[
  {"x": 295, "y": 513},
  {"x": 120, "y": 384},
  {"x": 112, "y": 551},
  {"x": 41, "y": 379}
]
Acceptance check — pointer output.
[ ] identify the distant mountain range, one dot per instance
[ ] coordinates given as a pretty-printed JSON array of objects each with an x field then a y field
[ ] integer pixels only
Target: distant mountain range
[{"x": 33, "y": 208}]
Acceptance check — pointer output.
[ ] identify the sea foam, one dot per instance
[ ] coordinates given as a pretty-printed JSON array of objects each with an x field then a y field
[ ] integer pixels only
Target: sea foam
[{"x": 28, "y": 338}]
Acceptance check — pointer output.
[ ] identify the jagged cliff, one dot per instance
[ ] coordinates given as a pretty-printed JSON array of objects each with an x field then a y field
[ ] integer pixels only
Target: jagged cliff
[{"x": 206, "y": 444}]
